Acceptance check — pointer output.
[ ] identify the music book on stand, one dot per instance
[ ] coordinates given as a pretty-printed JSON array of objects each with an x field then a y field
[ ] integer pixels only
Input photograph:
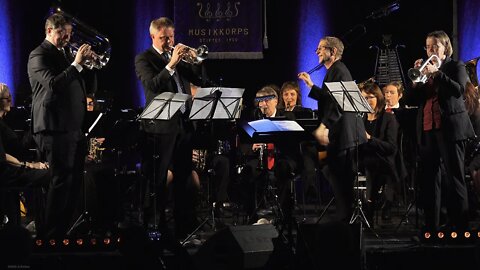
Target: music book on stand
[
  {"x": 349, "y": 97},
  {"x": 217, "y": 103},
  {"x": 164, "y": 106},
  {"x": 263, "y": 130}
]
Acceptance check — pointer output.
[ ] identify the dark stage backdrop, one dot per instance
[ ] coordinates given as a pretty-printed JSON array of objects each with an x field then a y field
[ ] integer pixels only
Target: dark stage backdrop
[{"x": 293, "y": 31}]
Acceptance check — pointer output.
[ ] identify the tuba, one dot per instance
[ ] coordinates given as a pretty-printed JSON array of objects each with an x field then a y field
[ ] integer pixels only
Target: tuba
[{"x": 82, "y": 33}]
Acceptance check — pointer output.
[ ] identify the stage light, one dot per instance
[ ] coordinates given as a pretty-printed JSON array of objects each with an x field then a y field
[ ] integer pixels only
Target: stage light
[
  {"x": 106, "y": 241},
  {"x": 38, "y": 242},
  {"x": 440, "y": 235},
  {"x": 66, "y": 242},
  {"x": 467, "y": 234},
  {"x": 52, "y": 242},
  {"x": 118, "y": 240},
  {"x": 79, "y": 241},
  {"x": 427, "y": 235},
  {"x": 453, "y": 235},
  {"x": 478, "y": 234},
  {"x": 93, "y": 241}
]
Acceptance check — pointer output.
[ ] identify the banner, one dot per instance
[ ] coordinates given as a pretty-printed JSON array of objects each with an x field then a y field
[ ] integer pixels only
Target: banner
[{"x": 230, "y": 29}]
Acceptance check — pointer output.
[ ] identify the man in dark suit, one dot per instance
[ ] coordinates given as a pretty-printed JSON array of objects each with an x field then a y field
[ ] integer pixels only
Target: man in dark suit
[
  {"x": 345, "y": 131},
  {"x": 443, "y": 126},
  {"x": 161, "y": 69},
  {"x": 58, "y": 109}
]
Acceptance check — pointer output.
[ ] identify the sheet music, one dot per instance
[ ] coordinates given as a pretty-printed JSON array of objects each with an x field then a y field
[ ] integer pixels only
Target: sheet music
[
  {"x": 228, "y": 106},
  {"x": 277, "y": 125},
  {"x": 338, "y": 89},
  {"x": 167, "y": 104}
]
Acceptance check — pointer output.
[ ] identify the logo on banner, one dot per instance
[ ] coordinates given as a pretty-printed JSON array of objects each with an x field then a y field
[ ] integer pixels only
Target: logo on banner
[{"x": 226, "y": 12}]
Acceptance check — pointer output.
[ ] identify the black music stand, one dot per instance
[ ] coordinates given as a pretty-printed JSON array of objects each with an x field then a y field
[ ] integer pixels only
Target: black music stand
[
  {"x": 216, "y": 103},
  {"x": 275, "y": 131},
  {"x": 350, "y": 99},
  {"x": 85, "y": 217},
  {"x": 161, "y": 108}
]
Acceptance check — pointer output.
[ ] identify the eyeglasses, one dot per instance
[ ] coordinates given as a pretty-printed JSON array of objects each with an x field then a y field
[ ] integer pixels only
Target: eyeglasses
[
  {"x": 320, "y": 48},
  {"x": 430, "y": 47},
  {"x": 91, "y": 103},
  {"x": 9, "y": 98}
]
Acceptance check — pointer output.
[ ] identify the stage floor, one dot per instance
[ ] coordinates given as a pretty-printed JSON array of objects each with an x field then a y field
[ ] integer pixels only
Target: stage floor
[{"x": 312, "y": 243}]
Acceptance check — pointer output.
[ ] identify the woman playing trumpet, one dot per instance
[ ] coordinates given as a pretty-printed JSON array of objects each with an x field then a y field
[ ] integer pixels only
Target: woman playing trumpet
[{"x": 443, "y": 127}]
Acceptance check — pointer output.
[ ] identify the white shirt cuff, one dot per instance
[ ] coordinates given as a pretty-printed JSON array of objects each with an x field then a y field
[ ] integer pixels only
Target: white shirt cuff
[
  {"x": 77, "y": 66},
  {"x": 171, "y": 71}
]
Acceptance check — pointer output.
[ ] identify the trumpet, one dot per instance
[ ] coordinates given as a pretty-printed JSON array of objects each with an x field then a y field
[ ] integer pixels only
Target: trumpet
[
  {"x": 194, "y": 56},
  {"x": 416, "y": 75}
]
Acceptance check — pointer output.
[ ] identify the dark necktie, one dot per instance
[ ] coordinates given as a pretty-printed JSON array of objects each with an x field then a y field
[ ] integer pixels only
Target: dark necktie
[{"x": 176, "y": 78}]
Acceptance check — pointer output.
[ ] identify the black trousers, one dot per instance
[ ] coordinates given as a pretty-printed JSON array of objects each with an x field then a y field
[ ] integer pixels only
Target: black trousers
[
  {"x": 340, "y": 171},
  {"x": 436, "y": 151},
  {"x": 65, "y": 153},
  {"x": 160, "y": 153}
]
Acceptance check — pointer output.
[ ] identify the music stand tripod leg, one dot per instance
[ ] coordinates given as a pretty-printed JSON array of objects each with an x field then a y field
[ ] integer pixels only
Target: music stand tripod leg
[{"x": 85, "y": 216}]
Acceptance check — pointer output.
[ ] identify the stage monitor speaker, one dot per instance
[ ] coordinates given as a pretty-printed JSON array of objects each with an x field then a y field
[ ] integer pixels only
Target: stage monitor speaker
[
  {"x": 237, "y": 247},
  {"x": 330, "y": 245}
]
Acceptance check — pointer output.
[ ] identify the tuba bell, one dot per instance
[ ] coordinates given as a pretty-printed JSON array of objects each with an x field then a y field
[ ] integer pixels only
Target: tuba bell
[{"x": 81, "y": 34}]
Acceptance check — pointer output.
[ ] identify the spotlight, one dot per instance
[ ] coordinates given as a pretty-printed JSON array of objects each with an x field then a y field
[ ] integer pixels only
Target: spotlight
[
  {"x": 79, "y": 241},
  {"x": 66, "y": 242},
  {"x": 427, "y": 235},
  {"x": 118, "y": 240},
  {"x": 93, "y": 241},
  {"x": 39, "y": 242},
  {"x": 106, "y": 241},
  {"x": 52, "y": 242},
  {"x": 467, "y": 234},
  {"x": 478, "y": 234},
  {"x": 453, "y": 235},
  {"x": 440, "y": 235}
]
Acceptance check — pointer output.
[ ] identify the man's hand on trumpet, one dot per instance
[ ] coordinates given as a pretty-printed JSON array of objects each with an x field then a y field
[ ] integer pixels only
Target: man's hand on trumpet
[
  {"x": 84, "y": 53},
  {"x": 178, "y": 52}
]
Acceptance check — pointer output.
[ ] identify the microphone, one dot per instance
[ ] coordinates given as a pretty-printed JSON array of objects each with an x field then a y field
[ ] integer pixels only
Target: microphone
[{"x": 384, "y": 11}]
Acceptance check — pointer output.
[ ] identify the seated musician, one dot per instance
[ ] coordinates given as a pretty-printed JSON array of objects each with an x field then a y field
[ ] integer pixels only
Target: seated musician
[
  {"x": 290, "y": 105},
  {"x": 15, "y": 170},
  {"x": 379, "y": 152},
  {"x": 278, "y": 160},
  {"x": 102, "y": 189}
]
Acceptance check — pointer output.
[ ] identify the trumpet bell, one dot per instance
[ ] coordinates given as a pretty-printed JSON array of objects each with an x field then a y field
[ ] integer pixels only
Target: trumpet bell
[
  {"x": 196, "y": 56},
  {"x": 415, "y": 75}
]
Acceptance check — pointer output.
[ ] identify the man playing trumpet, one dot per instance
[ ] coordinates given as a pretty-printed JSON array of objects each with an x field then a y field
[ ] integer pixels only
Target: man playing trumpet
[{"x": 58, "y": 111}]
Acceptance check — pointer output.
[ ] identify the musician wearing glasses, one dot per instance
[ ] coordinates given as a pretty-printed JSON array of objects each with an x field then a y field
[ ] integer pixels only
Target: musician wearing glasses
[
  {"x": 344, "y": 130},
  {"x": 58, "y": 111},
  {"x": 15, "y": 170},
  {"x": 443, "y": 127},
  {"x": 161, "y": 69}
]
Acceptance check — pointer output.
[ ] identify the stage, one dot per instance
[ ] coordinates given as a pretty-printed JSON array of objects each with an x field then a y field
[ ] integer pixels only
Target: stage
[{"x": 312, "y": 244}]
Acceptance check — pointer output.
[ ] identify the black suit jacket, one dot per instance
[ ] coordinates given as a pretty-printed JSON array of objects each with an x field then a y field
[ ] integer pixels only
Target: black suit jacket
[
  {"x": 58, "y": 92},
  {"x": 449, "y": 85},
  {"x": 344, "y": 127},
  {"x": 382, "y": 148},
  {"x": 155, "y": 79}
]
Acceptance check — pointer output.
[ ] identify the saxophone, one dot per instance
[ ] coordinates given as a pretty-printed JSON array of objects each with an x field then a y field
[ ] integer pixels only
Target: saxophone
[{"x": 94, "y": 150}]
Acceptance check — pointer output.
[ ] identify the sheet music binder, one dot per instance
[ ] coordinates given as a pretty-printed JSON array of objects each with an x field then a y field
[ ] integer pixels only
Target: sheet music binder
[
  {"x": 226, "y": 103},
  {"x": 265, "y": 129},
  {"x": 343, "y": 91},
  {"x": 164, "y": 106}
]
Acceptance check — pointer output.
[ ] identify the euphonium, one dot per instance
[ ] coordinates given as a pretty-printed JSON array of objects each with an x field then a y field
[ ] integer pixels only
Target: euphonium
[
  {"x": 82, "y": 34},
  {"x": 416, "y": 75}
]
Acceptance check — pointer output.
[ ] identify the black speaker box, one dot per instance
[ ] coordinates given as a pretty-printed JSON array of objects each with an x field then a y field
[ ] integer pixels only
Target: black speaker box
[{"x": 237, "y": 247}]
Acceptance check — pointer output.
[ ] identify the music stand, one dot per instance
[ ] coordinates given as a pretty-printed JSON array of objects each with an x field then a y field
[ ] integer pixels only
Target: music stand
[
  {"x": 350, "y": 99},
  {"x": 161, "y": 108},
  {"x": 215, "y": 103},
  {"x": 85, "y": 216},
  {"x": 276, "y": 131}
]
